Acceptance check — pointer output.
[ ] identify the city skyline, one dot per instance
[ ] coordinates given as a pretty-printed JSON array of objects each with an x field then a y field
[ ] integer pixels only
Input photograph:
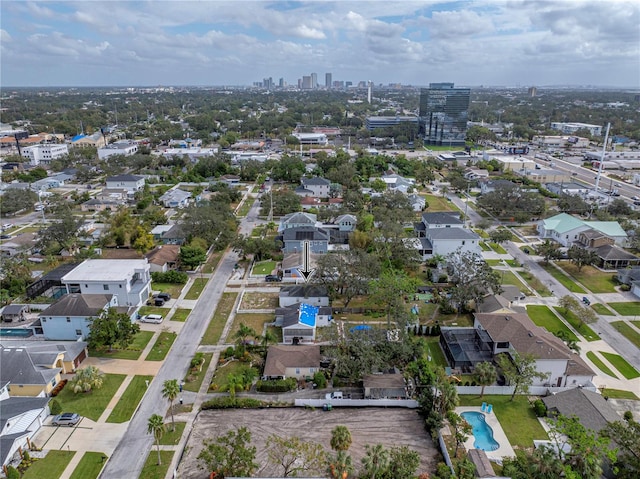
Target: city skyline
[{"x": 117, "y": 43}]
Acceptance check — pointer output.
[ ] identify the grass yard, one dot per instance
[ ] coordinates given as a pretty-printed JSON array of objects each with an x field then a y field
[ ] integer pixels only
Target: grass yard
[
  {"x": 181, "y": 314},
  {"x": 482, "y": 234},
  {"x": 535, "y": 283},
  {"x": 173, "y": 289},
  {"x": 254, "y": 321},
  {"x": 193, "y": 379},
  {"x": 562, "y": 278},
  {"x": 144, "y": 310},
  {"x": 484, "y": 246},
  {"x": 264, "y": 267},
  {"x": 621, "y": 364},
  {"x": 628, "y": 332},
  {"x": 500, "y": 262},
  {"x": 196, "y": 288},
  {"x": 219, "y": 380},
  {"x": 516, "y": 418},
  {"x": 601, "y": 309},
  {"x": 211, "y": 264},
  {"x": 544, "y": 317},
  {"x": 438, "y": 203},
  {"x": 627, "y": 308},
  {"x": 584, "y": 329},
  {"x": 91, "y": 404},
  {"x": 172, "y": 438},
  {"x": 593, "y": 279},
  {"x": 497, "y": 248},
  {"x": 129, "y": 400},
  {"x": 619, "y": 394},
  {"x": 509, "y": 278},
  {"x": 162, "y": 346},
  {"x": 600, "y": 364},
  {"x": 89, "y": 466},
  {"x": 244, "y": 209},
  {"x": 51, "y": 466},
  {"x": 140, "y": 341},
  {"x": 151, "y": 469},
  {"x": 219, "y": 318},
  {"x": 433, "y": 349}
]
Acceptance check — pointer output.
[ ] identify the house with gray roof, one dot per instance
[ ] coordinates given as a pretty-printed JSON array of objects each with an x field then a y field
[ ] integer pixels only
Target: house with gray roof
[
  {"x": 296, "y": 220},
  {"x": 14, "y": 312},
  {"x": 287, "y": 361},
  {"x": 317, "y": 186},
  {"x": 27, "y": 375},
  {"x": 307, "y": 293},
  {"x": 385, "y": 386},
  {"x": 591, "y": 408},
  {"x": 175, "y": 198},
  {"x": 131, "y": 183},
  {"x": 631, "y": 277},
  {"x": 300, "y": 327},
  {"x": 20, "y": 420},
  {"x": 66, "y": 355},
  {"x": 293, "y": 239},
  {"x": 70, "y": 317}
]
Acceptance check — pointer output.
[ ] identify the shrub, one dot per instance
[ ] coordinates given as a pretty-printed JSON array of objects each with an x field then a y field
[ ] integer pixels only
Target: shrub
[
  {"x": 539, "y": 408},
  {"x": 277, "y": 385},
  {"x": 26, "y": 456},
  {"x": 55, "y": 407},
  {"x": 59, "y": 387},
  {"x": 320, "y": 380},
  {"x": 625, "y": 287},
  {"x": 230, "y": 403},
  {"x": 197, "y": 360},
  {"x": 175, "y": 277},
  {"x": 228, "y": 353},
  {"x": 628, "y": 416},
  {"x": 12, "y": 473}
]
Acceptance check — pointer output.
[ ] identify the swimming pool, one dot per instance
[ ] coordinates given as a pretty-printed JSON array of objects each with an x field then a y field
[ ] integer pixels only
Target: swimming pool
[
  {"x": 482, "y": 432},
  {"x": 15, "y": 332}
]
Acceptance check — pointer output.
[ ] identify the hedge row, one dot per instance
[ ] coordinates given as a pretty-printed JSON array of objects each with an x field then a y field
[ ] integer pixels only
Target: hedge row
[
  {"x": 277, "y": 385},
  {"x": 227, "y": 402}
]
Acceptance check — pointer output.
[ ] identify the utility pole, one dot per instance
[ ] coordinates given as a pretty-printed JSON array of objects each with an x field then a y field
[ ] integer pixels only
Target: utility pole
[{"x": 600, "y": 165}]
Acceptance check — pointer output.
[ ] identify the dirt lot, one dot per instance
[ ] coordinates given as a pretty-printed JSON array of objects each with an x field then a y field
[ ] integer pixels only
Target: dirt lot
[
  {"x": 259, "y": 301},
  {"x": 390, "y": 427}
]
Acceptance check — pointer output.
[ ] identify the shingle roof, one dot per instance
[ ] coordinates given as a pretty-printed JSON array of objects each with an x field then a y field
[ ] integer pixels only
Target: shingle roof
[
  {"x": 302, "y": 233},
  {"x": 315, "y": 181},
  {"x": 442, "y": 218},
  {"x": 608, "y": 252},
  {"x": 593, "y": 411},
  {"x": 17, "y": 367},
  {"x": 164, "y": 254},
  {"x": 304, "y": 291},
  {"x": 77, "y": 304},
  {"x": 124, "y": 178},
  {"x": 281, "y": 357},
  {"x": 451, "y": 233},
  {"x": 14, "y": 308}
]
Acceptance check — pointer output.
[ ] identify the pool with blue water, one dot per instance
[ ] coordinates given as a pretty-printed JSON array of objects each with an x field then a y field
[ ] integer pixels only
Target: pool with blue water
[
  {"x": 482, "y": 432},
  {"x": 15, "y": 332}
]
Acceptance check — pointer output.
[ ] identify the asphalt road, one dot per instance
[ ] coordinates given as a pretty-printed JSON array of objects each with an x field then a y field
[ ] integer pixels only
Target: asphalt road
[{"x": 129, "y": 457}]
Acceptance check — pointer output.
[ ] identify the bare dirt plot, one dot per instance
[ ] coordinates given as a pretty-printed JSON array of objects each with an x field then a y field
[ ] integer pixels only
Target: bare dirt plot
[
  {"x": 390, "y": 427},
  {"x": 253, "y": 300}
]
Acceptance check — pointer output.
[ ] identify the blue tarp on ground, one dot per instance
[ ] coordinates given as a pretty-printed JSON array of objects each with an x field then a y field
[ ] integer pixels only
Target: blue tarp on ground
[{"x": 360, "y": 327}]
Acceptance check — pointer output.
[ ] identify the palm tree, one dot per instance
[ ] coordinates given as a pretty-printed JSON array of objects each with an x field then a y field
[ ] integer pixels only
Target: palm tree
[
  {"x": 242, "y": 334},
  {"x": 265, "y": 339},
  {"x": 340, "y": 466},
  {"x": 376, "y": 460},
  {"x": 234, "y": 382},
  {"x": 485, "y": 374},
  {"x": 341, "y": 438},
  {"x": 155, "y": 426},
  {"x": 87, "y": 379},
  {"x": 170, "y": 391}
]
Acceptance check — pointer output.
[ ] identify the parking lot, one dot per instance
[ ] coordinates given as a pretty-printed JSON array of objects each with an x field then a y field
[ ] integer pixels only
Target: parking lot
[{"x": 387, "y": 426}]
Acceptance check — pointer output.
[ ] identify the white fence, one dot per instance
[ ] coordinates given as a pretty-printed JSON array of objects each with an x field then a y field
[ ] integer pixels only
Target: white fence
[
  {"x": 508, "y": 390},
  {"x": 408, "y": 403}
]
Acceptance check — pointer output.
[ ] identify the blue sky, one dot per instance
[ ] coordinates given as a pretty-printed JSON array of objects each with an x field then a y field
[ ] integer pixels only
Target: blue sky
[{"x": 215, "y": 42}]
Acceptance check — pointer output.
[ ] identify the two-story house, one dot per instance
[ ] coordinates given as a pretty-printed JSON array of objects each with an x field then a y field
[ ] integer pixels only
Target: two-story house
[
  {"x": 565, "y": 229},
  {"x": 70, "y": 317},
  {"x": 176, "y": 198},
  {"x": 131, "y": 183},
  {"x": 315, "y": 187},
  {"x": 442, "y": 233},
  {"x": 129, "y": 280}
]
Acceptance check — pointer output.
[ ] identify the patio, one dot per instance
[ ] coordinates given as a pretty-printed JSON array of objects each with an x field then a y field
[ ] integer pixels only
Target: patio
[{"x": 505, "y": 449}]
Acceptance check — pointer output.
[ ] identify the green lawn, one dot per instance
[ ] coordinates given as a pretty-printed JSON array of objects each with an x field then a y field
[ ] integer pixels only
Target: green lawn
[
  {"x": 497, "y": 248},
  {"x": 144, "y": 310},
  {"x": 628, "y": 332},
  {"x": 433, "y": 349},
  {"x": 162, "y": 346},
  {"x": 255, "y": 321},
  {"x": 174, "y": 289},
  {"x": 244, "y": 209},
  {"x": 91, "y": 404},
  {"x": 600, "y": 364},
  {"x": 217, "y": 322},
  {"x": 151, "y": 469},
  {"x": 601, "y": 309},
  {"x": 562, "y": 278},
  {"x": 484, "y": 246},
  {"x": 264, "y": 267},
  {"x": 438, "y": 203},
  {"x": 193, "y": 380},
  {"x": 591, "y": 278},
  {"x": 627, "y": 308},
  {"x": 129, "y": 400},
  {"x": 180, "y": 314},
  {"x": 172, "y": 438},
  {"x": 516, "y": 418},
  {"x": 196, "y": 288},
  {"x": 140, "y": 341},
  {"x": 535, "y": 283},
  {"x": 219, "y": 380},
  {"x": 211, "y": 264},
  {"x": 636, "y": 324},
  {"x": 584, "y": 329},
  {"x": 621, "y": 364},
  {"x": 89, "y": 466},
  {"x": 51, "y": 466},
  {"x": 500, "y": 262},
  {"x": 507, "y": 277},
  {"x": 619, "y": 394},
  {"x": 544, "y": 317}
]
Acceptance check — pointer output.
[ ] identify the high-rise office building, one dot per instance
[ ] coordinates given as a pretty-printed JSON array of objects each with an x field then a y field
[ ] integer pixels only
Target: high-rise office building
[
  {"x": 327, "y": 80},
  {"x": 314, "y": 80},
  {"x": 444, "y": 111},
  {"x": 306, "y": 82},
  {"x": 281, "y": 83},
  {"x": 533, "y": 91}
]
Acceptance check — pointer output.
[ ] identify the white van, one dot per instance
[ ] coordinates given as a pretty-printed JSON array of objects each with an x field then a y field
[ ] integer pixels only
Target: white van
[{"x": 151, "y": 318}]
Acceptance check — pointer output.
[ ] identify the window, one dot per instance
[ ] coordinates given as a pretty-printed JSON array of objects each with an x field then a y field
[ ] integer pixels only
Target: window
[
  {"x": 297, "y": 370},
  {"x": 105, "y": 287},
  {"x": 312, "y": 370},
  {"x": 78, "y": 332},
  {"x": 463, "y": 242},
  {"x": 68, "y": 320}
]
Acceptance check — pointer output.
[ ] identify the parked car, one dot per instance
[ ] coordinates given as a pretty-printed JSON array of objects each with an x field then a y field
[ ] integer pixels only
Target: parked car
[
  {"x": 164, "y": 296},
  {"x": 586, "y": 301},
  {"x": 158, "y": 302},
  {"x": 272, "y": 278},
  {"x": 66, "y": 419},
  {"x": 151, "y": 318}
]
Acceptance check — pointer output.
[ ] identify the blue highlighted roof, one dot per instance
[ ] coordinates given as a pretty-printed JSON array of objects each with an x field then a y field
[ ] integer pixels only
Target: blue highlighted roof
[
  {"x": 77, "y": 137},
  {"x": 308, "y": 314}
]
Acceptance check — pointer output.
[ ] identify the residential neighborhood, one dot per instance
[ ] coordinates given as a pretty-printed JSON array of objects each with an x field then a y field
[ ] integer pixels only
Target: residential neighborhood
[{"x": 154, "y": 300}]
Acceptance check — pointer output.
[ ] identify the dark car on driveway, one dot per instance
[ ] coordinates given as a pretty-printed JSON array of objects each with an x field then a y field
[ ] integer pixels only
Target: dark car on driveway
[
  {"x": 272, "y": 278},
  {"x": 162, "y": 296}
]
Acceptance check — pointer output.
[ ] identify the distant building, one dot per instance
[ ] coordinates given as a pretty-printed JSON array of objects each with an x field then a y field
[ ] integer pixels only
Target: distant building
[
  {"x": 126, "y": 148},
  {"x": 374, "y": 122},
  {"x": 533, "y": 91},
  {"x": 570, "y": 128},
  {"x": 444, "y": 111},
  {"x": 312, "y": 138},
  {"x": 44, "y": 154},
  {"x": 131, "y": 183},
  {"x": 327, "y": 81}
]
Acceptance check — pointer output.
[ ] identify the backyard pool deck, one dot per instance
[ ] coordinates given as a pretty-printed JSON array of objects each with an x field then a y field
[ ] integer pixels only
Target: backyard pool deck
[{"x": 505, "y": 449}]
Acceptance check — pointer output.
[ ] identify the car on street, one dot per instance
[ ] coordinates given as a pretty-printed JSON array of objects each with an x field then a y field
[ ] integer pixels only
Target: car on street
[
  {"x": 5, "y": 236},
  {"x": 272, "y": 278},
  {"x": 151, "y": 318},
  {"x": 66, "y": 419}
]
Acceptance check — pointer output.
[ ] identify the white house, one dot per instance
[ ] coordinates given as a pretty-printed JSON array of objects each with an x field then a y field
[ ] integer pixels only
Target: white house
[
  {"x": 565, "y": 229},
  {"x": 20, "y": 420},
  {"x": 310, "y": 294},
  {"x": 131, "y": 183},
  {"x": 128, "y": 279},
  {"x": 319, "y": 187},
  {"x": 126, "y": 148},
  {"x": 175, "y": 198},
  {"x": 44, "y": 154},
  {"x": 443, "y": 233},
  {"x": 300, "y": 328},
  {"x": 70, "y": 317}
]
